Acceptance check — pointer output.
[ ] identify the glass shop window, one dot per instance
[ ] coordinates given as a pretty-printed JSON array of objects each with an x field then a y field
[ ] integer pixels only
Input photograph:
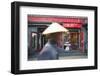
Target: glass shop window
[{"x": 34, "y": 40}]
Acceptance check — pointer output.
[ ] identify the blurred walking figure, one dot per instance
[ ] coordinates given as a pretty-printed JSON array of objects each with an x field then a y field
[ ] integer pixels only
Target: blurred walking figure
[{"x": 52, "y": 48}]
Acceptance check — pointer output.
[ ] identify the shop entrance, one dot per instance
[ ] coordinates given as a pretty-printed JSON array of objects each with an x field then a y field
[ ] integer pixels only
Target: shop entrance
[
  {"x": 75, "y": 40},
  {"x": 41, "y": 39},
  {"x": 37, "y": 40}
]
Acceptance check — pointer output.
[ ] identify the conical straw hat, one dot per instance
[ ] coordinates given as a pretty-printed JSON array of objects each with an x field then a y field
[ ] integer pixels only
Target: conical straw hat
[{"x": 53, "y": 28}]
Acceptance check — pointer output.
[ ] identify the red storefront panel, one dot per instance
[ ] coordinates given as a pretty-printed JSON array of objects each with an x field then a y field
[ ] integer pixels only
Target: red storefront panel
[
  {"x": 82, "y": 41},
  {"x": 72, "y": 25},
  {"x": 54, "y": 19}
]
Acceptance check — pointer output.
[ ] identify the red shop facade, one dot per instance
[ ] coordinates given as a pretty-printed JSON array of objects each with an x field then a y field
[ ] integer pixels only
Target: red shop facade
[{"x": 37, "y": 24}]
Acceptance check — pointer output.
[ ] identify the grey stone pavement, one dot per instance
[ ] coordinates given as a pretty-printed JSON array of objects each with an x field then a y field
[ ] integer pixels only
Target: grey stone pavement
[
  {"x": 67, "y": 55},
  {"x": 73, "y": 57}
]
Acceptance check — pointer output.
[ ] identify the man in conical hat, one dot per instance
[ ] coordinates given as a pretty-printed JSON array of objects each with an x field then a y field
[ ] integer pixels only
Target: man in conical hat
[{"x": 52, "y": 48}]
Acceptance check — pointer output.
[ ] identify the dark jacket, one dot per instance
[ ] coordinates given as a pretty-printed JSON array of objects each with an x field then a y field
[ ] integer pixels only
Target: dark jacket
[{"x": 50, "y": 51}]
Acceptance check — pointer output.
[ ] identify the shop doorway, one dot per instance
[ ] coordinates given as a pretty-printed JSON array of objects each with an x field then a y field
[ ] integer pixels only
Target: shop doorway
[
  {"x": 75, "y": 40},
  {"x": 37, "y": 40},
  {"x": 41, "y": 39}
]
